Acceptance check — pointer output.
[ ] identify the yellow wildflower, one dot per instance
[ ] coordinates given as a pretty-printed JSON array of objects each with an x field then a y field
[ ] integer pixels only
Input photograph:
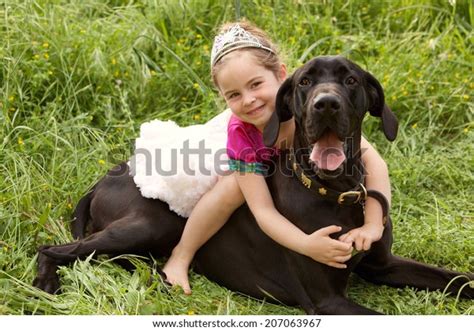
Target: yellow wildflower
[
  {"x": 414, "y": 126},
  {"x": 20, "y": 141},
  {"x": 191, "y": 312},
  {"x": 196, "y": 85},
  {"x": 198, "y": 36},
  {"x": 11, "y": 98},
  {"x": 69, "y": 206},
  {"x": 45, "y": 45},
  {"x": 36, "y": 57},
  {"x": 466, "y": 130},
  {"x": 46, "y": 56},
  {"x": 114, "y": 61},
  {"x": 197, "y": 117},
  {"x": 465, "y": 97},
  {"x": 101, "y": 162}
]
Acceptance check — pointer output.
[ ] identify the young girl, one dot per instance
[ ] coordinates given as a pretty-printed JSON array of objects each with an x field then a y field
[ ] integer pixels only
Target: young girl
[{"x": 248, "y": 72}]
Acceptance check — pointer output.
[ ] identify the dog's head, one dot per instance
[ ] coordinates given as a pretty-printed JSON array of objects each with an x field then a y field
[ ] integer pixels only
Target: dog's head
[{"x": 328, "y": 97}]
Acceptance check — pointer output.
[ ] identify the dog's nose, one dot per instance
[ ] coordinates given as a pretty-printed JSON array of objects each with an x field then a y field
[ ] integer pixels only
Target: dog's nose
[{"x": 327, "y": 103}]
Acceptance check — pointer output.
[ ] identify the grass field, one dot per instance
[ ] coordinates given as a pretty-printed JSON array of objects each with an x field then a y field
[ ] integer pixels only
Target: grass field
[{"x": 78, "y": 78}]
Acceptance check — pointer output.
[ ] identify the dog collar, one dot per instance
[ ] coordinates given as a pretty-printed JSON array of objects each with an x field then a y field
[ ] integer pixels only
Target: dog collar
[{"x": 358, "y": 194}]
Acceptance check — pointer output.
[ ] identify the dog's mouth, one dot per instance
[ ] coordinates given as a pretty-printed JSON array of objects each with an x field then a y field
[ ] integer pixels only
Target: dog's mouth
[{"x": 327, "y": 152}]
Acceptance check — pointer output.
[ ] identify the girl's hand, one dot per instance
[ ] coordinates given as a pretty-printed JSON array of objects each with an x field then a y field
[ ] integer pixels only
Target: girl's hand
[
  {"x": 363, "y": 237},
  {"x": 322, "y": 248}
]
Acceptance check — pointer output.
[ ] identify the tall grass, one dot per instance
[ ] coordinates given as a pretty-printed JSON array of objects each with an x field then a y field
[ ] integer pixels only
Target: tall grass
[{"x": 78, "y": 79}]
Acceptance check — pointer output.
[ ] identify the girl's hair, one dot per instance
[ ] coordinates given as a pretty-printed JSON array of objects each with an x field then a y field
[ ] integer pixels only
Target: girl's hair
[{"x": 269, "y": 60}]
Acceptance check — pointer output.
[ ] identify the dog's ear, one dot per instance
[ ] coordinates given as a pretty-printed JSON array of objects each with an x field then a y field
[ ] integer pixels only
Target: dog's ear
[
  {"x": 378, "y": 108},
  {"x": 282, "y": 113}
]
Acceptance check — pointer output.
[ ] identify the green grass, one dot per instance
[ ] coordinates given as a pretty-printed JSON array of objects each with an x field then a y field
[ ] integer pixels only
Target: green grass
[{"x": 77, "y": 79}]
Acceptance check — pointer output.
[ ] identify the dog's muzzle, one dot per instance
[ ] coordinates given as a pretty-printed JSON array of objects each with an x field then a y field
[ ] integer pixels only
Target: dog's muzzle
[{"x": 325, "y": 128}]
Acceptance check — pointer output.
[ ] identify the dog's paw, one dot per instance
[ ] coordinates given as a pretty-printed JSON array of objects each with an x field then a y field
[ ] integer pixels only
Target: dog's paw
[{"x": 48, "y": 284}]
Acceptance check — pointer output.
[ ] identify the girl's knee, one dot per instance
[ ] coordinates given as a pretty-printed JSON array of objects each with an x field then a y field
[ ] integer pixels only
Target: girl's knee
[{"x": 229, "y": 191}]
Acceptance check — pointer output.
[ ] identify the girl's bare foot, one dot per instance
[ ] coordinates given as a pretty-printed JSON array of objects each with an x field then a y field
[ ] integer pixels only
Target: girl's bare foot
[{"x": 176, "y": 270}]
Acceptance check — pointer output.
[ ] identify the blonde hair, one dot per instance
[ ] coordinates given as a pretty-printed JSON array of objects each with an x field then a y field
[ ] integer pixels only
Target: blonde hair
[{"x": 269, "y": 60}]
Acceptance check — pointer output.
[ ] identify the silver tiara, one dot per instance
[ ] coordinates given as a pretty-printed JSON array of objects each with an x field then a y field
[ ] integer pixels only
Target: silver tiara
[{"x": 234, "y": 38}]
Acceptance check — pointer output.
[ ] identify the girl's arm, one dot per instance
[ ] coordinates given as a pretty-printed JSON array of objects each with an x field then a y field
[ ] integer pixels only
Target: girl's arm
[
  {"x": 377, "y": 174},
  {"x": 376, "y": 179},
  {"x": 318, "y": 245}
]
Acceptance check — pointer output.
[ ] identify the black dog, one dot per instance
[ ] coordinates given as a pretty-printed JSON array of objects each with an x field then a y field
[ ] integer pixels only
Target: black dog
[{"x": 328, "y": 98}]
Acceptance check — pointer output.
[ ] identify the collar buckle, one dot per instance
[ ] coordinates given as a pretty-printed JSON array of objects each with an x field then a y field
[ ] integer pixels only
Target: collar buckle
[
  {"x": 342, "y": 197},
  {"x": 359, "y": 196}
]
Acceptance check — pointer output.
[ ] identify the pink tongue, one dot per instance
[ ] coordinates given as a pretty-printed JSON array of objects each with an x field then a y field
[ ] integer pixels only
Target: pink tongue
[{"x": 327, "y": 153}]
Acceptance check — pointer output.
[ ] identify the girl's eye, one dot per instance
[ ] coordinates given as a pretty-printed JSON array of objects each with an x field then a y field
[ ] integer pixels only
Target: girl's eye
[
  {"x": 232, "y": 96},
  {"x": 255, "y": 84},
  {"x": 351, "y": 80},
  {"x": 304, "y": 82}
]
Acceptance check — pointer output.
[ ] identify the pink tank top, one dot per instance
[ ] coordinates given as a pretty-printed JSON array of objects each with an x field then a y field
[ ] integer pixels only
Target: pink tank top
[{"x": 245, "y": 147}]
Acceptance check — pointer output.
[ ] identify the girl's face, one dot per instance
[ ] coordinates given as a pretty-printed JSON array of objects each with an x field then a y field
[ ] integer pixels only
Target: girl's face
[{"x": 248, "y": 88}]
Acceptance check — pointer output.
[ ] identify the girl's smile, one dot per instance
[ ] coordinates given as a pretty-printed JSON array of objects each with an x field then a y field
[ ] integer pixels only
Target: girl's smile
[{"x": 256, "y": 111}]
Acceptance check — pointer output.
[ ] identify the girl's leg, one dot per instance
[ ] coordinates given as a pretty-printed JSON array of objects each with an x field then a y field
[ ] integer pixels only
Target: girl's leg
[{"x": 207, "y": 217}]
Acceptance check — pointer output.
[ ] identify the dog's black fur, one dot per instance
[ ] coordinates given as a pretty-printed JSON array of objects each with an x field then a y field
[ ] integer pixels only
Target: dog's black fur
[{"x": 240, "y": 256}]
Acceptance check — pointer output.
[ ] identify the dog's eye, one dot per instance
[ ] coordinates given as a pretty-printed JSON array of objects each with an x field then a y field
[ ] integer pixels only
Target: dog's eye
[
  {"x": 351, "y": 80},
  {"x": 304, "y": 82}
]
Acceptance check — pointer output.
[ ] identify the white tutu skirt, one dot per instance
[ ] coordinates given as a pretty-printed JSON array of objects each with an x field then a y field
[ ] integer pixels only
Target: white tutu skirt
[{"x": 179, "y": 164}]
